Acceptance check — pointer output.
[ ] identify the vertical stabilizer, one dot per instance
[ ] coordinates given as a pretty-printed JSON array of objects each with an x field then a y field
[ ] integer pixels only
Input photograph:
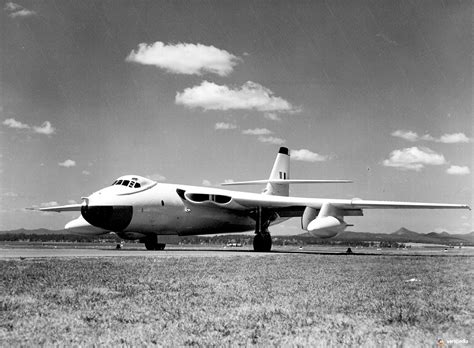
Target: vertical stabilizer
[{"x": 280, "y": 171}]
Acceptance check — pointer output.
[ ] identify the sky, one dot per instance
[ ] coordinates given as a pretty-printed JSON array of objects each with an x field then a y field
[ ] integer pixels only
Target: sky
[{"x": 202, "y": 92}]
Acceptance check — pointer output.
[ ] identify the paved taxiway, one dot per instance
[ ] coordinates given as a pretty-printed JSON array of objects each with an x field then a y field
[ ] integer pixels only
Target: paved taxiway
[{"x": 50, "y": 251}]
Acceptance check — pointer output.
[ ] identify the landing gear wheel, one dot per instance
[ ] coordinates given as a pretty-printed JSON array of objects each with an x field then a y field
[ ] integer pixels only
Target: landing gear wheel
[
  {"x": 149, "y": 245},
  {"x": 262, "y": 242}
]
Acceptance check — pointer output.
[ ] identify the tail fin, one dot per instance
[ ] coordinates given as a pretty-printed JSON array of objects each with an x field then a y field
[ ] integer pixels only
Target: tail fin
[{"x": 280, "y": 171}]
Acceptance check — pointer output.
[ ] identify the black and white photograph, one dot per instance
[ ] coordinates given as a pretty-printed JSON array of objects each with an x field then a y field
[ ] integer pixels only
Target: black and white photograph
[{"x": 236, "y": 173}]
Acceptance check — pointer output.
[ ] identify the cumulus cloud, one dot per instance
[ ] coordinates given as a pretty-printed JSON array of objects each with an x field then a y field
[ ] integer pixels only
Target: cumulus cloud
[
  {"x": 67, "y": 163},
  {"x": 156, "y": 177},
  {"x": 454, "y": 138},
  {"x": 257, "y": 131},
  {"x": 272, "y": 116},
  {"x": 224, "y": 126},
  {"x": 271, "y": 140},
  {"x": 12, "y": 123},
  {"x": 228, "y": 181},
  {"x": 413, "y": 158},
  {"x": 49, "y": 204},
  {"x": 15, "y": 10},
  {"x": 407, "y": 135},
  {"x": 206, "y": 182},
  {"x": 10, "y": 194},
  {"x": 307, "y": 156},
  {"x": 445, "y": 138},
  {"x": 46, "y": 128},
  {"x": 458, "y": 170},
  {"x": 185, "y": 58},
  {"x": 86, "y": 172},
  {"x": 250, "y": 96}
]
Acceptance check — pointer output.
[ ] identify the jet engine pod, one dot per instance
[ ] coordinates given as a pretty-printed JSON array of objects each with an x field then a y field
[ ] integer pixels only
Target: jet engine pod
[
  {"x": 326, "y": 227},
  {"x": 110, "y": 217},
  {"x": 319, "y": 223}
]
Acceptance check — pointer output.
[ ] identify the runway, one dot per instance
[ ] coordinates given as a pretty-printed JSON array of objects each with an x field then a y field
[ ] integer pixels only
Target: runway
[{"x": 69, "y": 250}]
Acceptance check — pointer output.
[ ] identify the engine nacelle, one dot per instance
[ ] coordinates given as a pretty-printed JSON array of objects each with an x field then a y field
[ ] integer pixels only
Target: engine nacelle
[{"x": 319, "y": 224}]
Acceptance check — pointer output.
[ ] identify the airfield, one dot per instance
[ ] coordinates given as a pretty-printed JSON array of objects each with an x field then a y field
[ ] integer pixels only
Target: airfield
[
  {"x": 93, "y": 294},
  {"x": 45, "y": 250}
]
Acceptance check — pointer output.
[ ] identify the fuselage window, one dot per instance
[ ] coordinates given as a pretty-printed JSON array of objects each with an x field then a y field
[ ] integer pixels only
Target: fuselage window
[
  {"x": 126, "y": 182},
  {"x": 131, "y": 183},
  {"x": 162, "y": 203},
  {"x": 119, "y": 182}
]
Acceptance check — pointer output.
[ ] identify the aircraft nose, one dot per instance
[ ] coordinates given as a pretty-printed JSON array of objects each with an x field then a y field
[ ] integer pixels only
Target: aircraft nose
[{"x": 110, "y": 217}]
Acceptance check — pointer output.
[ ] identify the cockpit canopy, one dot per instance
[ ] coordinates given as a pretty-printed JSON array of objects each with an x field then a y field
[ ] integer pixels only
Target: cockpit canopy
[{"x": 132, "y": 181}]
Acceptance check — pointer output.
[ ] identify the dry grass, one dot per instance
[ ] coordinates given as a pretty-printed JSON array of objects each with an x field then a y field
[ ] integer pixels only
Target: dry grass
[{"x": 310, "y": 300}]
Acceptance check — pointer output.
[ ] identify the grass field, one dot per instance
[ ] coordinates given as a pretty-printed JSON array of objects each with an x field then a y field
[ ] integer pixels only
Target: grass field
[{"x": 309, "y": 300}]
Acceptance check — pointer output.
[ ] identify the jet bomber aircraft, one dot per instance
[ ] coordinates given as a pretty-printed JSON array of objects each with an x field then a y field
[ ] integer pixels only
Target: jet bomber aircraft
[{"x": 137, "y": 208}]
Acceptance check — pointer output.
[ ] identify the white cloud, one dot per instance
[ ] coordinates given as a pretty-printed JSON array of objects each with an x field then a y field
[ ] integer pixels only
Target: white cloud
[
  {"x": 71, "y": 201},
  {"x": 86, "y": 172},
  {"x": 10, "y": 194},
  {"x": 446, "y": 138},
  {"x": 272, "y": 116},
  {"x": 206, "y": 182},
  {"x": 454, "y": 138},
  {"x": 413, "y": 158},
  {"x": 45, "y": 128},
  {"x": 271, "y": 140},
  {"x": 12, "y": 123},
  {"x": 185, "y": 58},
  {"x": 257, "y": 131},
  {"x": 307, "y": 156},
  {"x": 16, "y": 10},
  {"x": 228, "y": 181},
  {"x": 67, "y": 163},
  {"x": 250, "y": 96},
  {"x": 407, "y": 135},
  {"x": 458, "y": 170},
  {"x": 224, "y": 126},
  {"x": 49, "y": 204},
  {"x": 156, "y": 177}
]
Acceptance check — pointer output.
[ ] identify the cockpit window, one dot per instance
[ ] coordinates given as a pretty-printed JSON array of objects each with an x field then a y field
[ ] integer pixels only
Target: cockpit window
[
  {"x": 128, "y": 183},
  {"x": 114, "y": 183}
]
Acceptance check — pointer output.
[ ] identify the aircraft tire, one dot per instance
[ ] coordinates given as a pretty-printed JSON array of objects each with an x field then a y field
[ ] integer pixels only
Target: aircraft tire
[
  {"x": 160, "y": 246},
  {"x": 150, "y": 246},
  {"x": 262, "y": 242}
]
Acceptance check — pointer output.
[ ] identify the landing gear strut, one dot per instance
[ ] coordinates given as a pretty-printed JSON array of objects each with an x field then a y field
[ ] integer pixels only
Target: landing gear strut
[
  {"x": 262, "y": 241},
  {"x": 152, "y": 244}
]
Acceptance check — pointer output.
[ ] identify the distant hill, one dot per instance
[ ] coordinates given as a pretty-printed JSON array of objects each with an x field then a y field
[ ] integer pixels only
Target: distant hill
[
  {"x": 40, "y": 231},
  {"x": 404, "y": 235}
]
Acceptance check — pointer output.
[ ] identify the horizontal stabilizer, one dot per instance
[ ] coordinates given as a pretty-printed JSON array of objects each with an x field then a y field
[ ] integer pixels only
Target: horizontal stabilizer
[{"x": 286, "y": 181}]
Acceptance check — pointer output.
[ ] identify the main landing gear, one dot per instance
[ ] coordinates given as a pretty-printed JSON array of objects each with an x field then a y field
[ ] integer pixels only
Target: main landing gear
[
  {"x": 262, "y": 242},
  {"x": 151, "y": 243}
]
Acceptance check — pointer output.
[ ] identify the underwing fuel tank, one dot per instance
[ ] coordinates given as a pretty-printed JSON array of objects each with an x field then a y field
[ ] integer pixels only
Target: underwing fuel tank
[{"x": 322, "y": 223}]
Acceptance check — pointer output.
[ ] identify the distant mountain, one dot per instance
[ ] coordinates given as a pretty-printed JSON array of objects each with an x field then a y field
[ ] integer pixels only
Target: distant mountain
[
  {"x": 37, "y": 231},
  {"x": 404, "y": 235}
]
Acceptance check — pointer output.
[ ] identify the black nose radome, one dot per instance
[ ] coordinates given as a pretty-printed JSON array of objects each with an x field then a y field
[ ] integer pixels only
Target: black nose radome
[{"x": 114, "y": 218}]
